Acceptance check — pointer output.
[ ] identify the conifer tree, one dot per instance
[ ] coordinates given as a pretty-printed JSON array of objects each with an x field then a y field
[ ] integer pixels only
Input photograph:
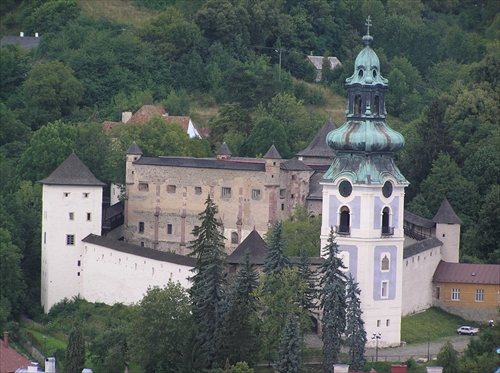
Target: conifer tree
[
  {"x": 74, "y": 360},
  {"x": 308, "y": 275},
  {"x": 208, "y": 289},
  {"x": 333, "y": 303},
  {"x": 239, "y": 336},
  {"x": 289, "y": 351},
  {"x": 275, "y": 259},
  {"x": 355, "y": 328}
]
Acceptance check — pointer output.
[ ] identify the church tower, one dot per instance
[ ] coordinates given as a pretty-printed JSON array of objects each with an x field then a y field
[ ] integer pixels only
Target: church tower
[
  {"x": 72, "y": 209},
  {"x": 363, "y": 196}
]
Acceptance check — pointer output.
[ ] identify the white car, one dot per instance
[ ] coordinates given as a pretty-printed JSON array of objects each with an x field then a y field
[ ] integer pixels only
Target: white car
[{"x": 467, "y": 330}]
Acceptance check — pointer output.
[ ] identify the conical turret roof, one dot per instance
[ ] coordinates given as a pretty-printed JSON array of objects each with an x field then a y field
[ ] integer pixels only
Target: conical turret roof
[
  {"x": 255, "y": 244},
  {"x": 72, "y": 172},
  {"x": 223, "y": 150},
  {"x": 318, "y": 148},
  {"x": 273, "y": 153},
  {"x": 446, "y": 214},
  {"x": 134, "y": 149}
]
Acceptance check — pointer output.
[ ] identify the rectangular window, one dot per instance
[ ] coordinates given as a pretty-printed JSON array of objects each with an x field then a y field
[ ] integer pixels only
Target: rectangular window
[
  {"x": 142, "y": 245},
  {"x": 282, "y": 193},
  {"x": 378, "y": 323},
  {"x": 89, "y": 216},
  {"x": 44, "y": 237},
  {"x": 293, "y": 177},
  {"x": 86, "y": 195},
  {"x": 144, "y": 187},
  {"x": 455, "y": 294},
  {"x": 438, "y": 293},
  {"x": 197, "y": 190},
  {"x": 479, "y": 295},
  {"x": 71, "y": 216},
  {"x": 226, "y": 192},
  {"x": 387, "y": 322},
  {"x": 79, "y": 263},
  {"x": 384, "y": 293},
  {"x": 70, "y": 239},
  {"x": 78, "y": 273},
  {"x": 256, "y": 194},
  {"x": 141, "y": 227},
  {"x": 171, "y": 188},
  {"x": 292, "y": 196},
  {"x": 169, "y": 228},
  {"x": 66, "y": 194},
  {"x": 282, "y": 207}
]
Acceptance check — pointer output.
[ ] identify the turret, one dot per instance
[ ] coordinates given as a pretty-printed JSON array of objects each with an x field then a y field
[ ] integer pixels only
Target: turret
[{"x": 448, "y": 231}]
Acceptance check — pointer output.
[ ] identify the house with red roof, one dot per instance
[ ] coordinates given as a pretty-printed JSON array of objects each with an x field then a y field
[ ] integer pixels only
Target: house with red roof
[{"x": 10, "y": 360}]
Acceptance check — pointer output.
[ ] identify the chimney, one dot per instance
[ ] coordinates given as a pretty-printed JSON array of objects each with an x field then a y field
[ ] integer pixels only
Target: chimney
[
  {"x": 340, "y": 368},
  {"x": 126, "y": 115},
  {"x": 36, "y": 34},
  {"x": 50, "y": 365},
  {"x": 21, "y": 34},
  {"x": 6, "y": 339}
]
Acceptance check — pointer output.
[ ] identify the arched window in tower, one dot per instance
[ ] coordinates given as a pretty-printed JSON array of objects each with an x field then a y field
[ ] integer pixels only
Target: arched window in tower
[
  {"x": 386, "y": 229},
  {"x": 376, "y": 105},
  {"x": 384, "y": 263},
  {"x": 345, "y": 221},
  {"x": 234, "y": 238},
  {"x": 357, "y": 104}
]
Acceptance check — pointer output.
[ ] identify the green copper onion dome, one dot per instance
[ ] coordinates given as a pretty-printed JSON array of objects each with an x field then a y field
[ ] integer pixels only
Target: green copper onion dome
[{"x": 364, "y": 145}]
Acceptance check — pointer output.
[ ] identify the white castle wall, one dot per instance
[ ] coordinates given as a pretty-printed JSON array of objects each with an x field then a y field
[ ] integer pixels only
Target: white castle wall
[{"x": 112, "y": 276}]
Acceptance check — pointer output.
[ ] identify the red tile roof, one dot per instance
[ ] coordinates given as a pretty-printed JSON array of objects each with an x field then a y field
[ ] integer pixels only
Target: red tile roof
[
  {"x": 146, "y": 112},
  {"x": 10, "y": 360},
  {"x": 107, "y": 125},
  {"x": 467, "y": 273}
]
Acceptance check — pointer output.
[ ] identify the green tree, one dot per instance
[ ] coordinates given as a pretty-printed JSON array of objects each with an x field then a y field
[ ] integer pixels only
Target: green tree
[
  {"x": 51, "y": 92},
  {"x": 52, "y": 16},
  {"x": 448, "y": 358},
  {"x": 309, "y": 276},
  {"x": 355, "y": 326},
  {"x": 157, "y": 332},
  {"x": 177, "y": 104},
  {"x": 290, "y": 348},
  {"x": 275, "y": 259},
  {"x": 231, "y": 119},
  {"x": 74, "y": 360},
  {"x": 268, "y": 131},
  {"x": 13, "y": 285},
  {"x": 15, "y": 66},
  {"x": 208, "y": 289},
  {"x": 333, "y": 303},
  {"x": 11, "y": 129},
  {"x": 239, "y": 337},
  {"x": 301, "y": 231}
]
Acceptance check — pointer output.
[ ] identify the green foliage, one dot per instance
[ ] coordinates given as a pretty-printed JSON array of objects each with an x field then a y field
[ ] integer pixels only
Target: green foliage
[
  {"x": 301, "y": 231},
  {"x": 74, "y": 360},
  {"x": 448, "y": 358},
  {"x": 333, "y": 303},
  {"x": 276, "y": 260},
  {"x": 157, "y": 331},
  {"x": 289, "y": 349},
  {"x": 268, "y": 131},
  {"x": 51, "y": 16},
  {"x": 11, "y": 129},
  {"x": 232, "y": 120},
  {"x": 177, "y": 105}
]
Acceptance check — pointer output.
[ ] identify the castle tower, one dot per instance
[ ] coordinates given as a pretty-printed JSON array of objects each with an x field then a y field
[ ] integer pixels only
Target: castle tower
[
  {"x": 363, "y": 195},
  {"x": 448, "y": 231},
  {"x": 72, "y": 209},
  {"x": 273, "y": 166}
]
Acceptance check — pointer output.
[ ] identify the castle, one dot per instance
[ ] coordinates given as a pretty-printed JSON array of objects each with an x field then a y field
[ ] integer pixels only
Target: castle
[{"x": 347, "y": 175}]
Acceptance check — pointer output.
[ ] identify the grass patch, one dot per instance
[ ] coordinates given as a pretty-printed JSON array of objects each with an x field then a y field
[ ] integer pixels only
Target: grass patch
[
  {"x": 48, "y": 345},
  {"x": 122, "y": 11},
  {"x": 434, "y": 320}
]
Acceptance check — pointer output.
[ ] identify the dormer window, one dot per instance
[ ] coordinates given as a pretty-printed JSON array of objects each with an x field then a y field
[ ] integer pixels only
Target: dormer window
[{"x": 360, "y": 73}]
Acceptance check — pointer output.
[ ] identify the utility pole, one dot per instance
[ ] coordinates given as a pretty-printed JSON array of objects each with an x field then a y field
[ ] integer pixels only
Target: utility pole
[
  {"x": 428, "y": 346},
  {"x": 376, "y": 336}
]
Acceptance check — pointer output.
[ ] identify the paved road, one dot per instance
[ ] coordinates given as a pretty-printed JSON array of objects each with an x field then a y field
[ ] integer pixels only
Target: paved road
[{"x": 403, "y": 353}]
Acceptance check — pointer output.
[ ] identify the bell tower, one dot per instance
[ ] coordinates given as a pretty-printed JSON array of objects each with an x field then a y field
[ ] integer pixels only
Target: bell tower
[{"x": 363, "y": 197}]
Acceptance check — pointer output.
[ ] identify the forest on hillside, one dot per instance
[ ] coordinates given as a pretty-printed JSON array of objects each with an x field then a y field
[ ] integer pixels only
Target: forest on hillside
[{"x": 245, "y": 60}]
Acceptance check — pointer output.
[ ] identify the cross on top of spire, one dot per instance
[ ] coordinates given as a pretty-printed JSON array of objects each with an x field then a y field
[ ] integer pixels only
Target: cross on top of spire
[{"x": 368, "y": 24}]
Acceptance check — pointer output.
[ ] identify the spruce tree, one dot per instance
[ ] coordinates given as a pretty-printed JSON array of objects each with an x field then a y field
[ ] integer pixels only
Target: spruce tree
[
  {"x": 208, "y": 289},
  {"x": 289, "y": 351},
  {"x": 239, "y": 337},
  {"x": 309, "y": 276},
  {"x": 275, "y": 259},
  {"x": 74, "y": 360},
  {"x": 333, "y": 303},
  {"x": 355, "y": 328}
]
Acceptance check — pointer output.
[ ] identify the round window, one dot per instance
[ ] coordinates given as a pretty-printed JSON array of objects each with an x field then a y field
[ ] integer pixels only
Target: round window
[
  {"x": 345, "y": 188},
  {"x": 387, "y": 189}
]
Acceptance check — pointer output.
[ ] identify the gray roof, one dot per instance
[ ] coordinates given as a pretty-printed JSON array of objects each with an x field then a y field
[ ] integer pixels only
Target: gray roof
[
  {"x": 446, "y": 214},
  {"x": 25, "y": 42},
  {"x": 255, "y": 244},
  {"x": 144, "y": 252},
  {"x": 295, "y": 165},
  {"x": 317, "y": 61},
  {"x": 273, "y": 153},
  {"x": 318, "y": 147},
  {"x": 252, "y": 164},
  {"x": 418, "y": 220},
  {"x": 468, "y": 273},
  {"x": 315, "y": 189},
  {"x": 421, "y": 246},
  {"x": 134, "y": 149},
  {"x": 223, "y": 150},
  {"x": 113, "y": 210},
  {"x": 72, "y": 172}
]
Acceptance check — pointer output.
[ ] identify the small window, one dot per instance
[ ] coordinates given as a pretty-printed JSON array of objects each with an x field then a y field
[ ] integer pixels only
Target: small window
[
  {"x": 282, "y": 193},
  {"x": 197, "y": 190},
  {"x": 293, "y": 177},
  {"x": 79, "y": 263},
  {"x": 141, "y": 227},
  {"x": 66, "y": 194},
  {"x": 256, "y": 194},
  {"x": 78, "y": 273},
  {"x": 226, "y": 192},
  {"x": 171, "y": 188},
  {"x": 378, "y": 323},
  {"x": 479, "y": 295},
  {"x": 196, "y": 227},
  {"x": 85, "y": 195},
  {"x": 71, "y": 216},
  {"x": 70, "y": 239},
  {"x": 385, "y": 289},
  {"x": 387, "y": 322},
  {"x": 44, "y": 237},
  {"x": 89, "y": 216},
  {"x": 384, "y": 263},
  {"x": 455, "y": 294},
  {"x": 142, "y": 245},
  {"x": 292, "y": 196},
  {"x": 143, "y": 187},
  {"x": 282, "y": 207},
  {"x": 438, "y": 293},
  {"x": 274, "y": 163},
  {"x": 169, "y": 228},
  {"x": 234, "y": 238}
]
